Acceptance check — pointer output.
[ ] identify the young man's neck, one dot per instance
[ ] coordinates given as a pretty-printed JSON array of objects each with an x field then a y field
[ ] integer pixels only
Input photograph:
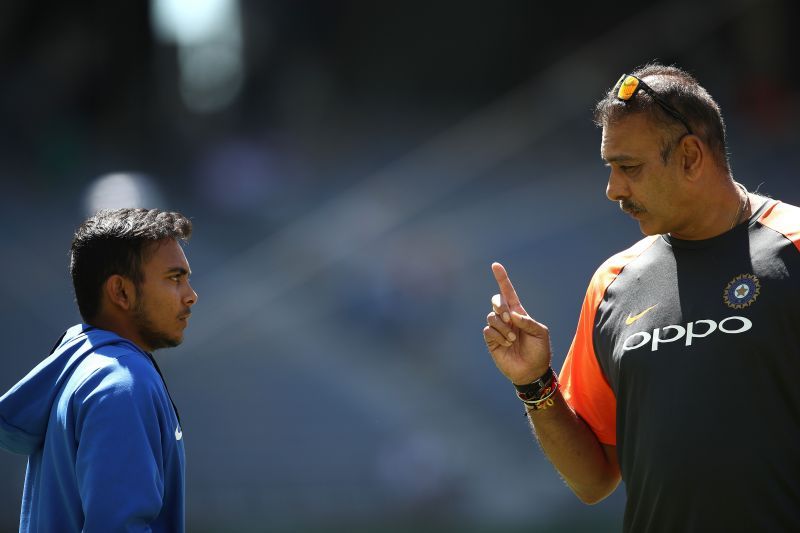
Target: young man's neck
[{"x": 121, "y": 328}]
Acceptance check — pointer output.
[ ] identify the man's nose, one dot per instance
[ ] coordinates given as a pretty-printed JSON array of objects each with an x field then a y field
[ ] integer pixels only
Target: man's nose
[
  {"x": 191, "y": 298},
  {"x": 617, "y": 188}
]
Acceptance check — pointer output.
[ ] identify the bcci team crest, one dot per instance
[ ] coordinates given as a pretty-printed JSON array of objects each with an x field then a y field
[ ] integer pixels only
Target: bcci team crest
[{"x": 742, "y": 291}]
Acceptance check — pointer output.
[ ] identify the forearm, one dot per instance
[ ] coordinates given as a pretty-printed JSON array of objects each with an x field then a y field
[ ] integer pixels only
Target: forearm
[
  {"x": 589, "y": 467},
  {"x": 520, "y": 347}
]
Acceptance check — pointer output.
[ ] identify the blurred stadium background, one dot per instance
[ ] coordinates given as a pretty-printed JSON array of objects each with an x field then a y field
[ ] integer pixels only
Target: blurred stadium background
[{"x": 352, "y": 169}]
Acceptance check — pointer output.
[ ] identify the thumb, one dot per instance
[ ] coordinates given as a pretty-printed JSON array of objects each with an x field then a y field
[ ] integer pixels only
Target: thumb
[{"x": 529, "y": 325}]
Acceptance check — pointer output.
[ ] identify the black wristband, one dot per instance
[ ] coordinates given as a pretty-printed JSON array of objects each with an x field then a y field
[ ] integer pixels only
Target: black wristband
[{"x": 538, "y": 388}]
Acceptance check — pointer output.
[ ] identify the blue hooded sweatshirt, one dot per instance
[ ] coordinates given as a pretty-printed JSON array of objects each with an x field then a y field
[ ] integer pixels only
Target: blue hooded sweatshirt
[{"x": 104, "y": 445}]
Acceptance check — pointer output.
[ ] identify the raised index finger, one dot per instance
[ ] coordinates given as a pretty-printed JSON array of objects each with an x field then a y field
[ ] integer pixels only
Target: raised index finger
[{"x": 506, "y": 288}]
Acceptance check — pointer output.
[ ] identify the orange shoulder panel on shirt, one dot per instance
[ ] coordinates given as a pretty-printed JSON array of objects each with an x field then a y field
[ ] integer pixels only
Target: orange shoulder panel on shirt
[
  {"x": 785, "y": 219},
  {"x": 583, "y": 383}
]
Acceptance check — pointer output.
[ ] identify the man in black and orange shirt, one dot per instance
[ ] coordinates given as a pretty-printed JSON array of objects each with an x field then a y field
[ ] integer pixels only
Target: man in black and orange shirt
[{"x": 681, "y": 379}]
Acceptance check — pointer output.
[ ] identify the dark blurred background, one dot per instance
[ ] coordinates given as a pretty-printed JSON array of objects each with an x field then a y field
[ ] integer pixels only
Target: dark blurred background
[{"x": 352, "y": 170}]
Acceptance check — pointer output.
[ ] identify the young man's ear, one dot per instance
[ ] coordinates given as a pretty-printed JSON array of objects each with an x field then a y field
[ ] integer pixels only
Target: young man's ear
[{"x": 120, "y": 292}]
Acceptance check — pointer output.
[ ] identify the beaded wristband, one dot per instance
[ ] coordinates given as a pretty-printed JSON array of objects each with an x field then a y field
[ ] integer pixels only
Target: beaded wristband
[{"x": 544, "y": 403}]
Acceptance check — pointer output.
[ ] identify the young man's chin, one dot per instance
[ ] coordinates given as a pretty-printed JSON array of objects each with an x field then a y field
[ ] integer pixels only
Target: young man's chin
[
  {"x": 173, "y": 342},
  {"x": 165, "y": 342}
]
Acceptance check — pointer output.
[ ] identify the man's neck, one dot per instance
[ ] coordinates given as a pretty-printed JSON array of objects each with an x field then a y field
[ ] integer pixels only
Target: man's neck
[
  {"x": 717, "y": 213},
  {"x": 121, "y": 328}
]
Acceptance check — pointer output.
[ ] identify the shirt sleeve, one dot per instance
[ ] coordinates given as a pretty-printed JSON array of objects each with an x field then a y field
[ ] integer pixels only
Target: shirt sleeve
[
  {"x": 118, "y": 462},
  {"x": 583, "y": 383},
  {"x": 783, "y": 218}
]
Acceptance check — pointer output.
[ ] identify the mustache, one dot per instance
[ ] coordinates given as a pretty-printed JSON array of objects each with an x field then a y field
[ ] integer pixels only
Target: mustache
[{"x": 631, "y": 207}]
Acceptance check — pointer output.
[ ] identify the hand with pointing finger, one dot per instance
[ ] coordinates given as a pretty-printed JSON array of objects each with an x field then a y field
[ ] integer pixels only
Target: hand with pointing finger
[{"x": 519, "y": 345}]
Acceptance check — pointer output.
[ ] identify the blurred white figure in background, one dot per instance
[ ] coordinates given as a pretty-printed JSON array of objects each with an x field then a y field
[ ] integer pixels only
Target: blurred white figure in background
[{"x": 122, "y": 189}]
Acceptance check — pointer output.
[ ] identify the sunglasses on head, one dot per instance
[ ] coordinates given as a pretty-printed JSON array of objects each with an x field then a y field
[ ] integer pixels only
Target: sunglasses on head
[{"x": 627, "y": 87}]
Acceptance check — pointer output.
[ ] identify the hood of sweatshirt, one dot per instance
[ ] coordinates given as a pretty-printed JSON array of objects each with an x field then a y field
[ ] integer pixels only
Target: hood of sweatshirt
[{"x": 25, "y": 408}]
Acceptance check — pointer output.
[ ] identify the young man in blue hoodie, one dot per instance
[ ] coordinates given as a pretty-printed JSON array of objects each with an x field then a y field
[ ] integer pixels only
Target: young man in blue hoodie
[{"x": 103, "y": 438}]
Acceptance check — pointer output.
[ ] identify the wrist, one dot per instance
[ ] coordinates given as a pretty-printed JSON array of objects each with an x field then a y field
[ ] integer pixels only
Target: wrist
[
  {"x": 538, "y": 393},
  {"x": 534, "y": 374}
]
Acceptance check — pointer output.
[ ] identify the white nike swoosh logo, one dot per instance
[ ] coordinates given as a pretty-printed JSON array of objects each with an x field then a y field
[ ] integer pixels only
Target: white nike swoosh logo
[
  {"x": 631, "y": 319},
  {"x": 178, "y": 433}
]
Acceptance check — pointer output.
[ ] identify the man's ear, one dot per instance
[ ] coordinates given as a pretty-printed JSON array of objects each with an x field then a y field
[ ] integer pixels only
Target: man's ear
[
  {"x": 693, "y": 154},
  {"x": 120, "y": 292}
]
